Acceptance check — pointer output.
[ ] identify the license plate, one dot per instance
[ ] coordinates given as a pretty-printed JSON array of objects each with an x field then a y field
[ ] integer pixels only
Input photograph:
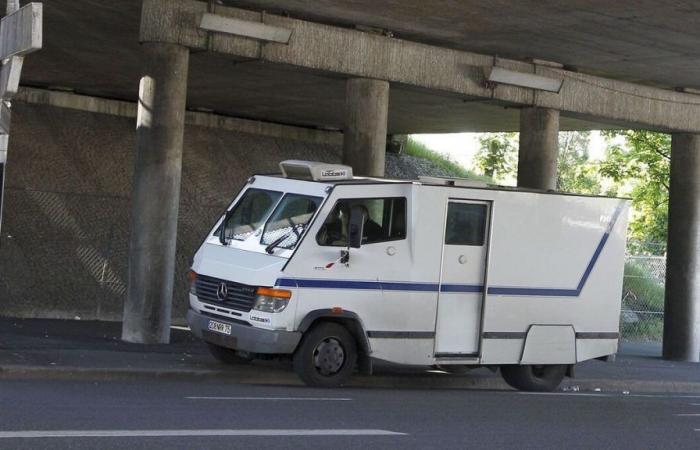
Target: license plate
[{"x": 219, "y": 327}]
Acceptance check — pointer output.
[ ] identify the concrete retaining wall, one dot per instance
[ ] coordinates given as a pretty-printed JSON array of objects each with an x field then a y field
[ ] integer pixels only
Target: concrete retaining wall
[{"x": 64, "y": 242}]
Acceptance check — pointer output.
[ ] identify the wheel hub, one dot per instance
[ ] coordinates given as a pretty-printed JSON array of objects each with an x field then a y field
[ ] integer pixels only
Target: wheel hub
[{"x": 329, "y": 357}]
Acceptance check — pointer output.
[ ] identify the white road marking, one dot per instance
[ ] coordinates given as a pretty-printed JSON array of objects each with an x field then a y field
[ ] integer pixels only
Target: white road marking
[
  {"x": 570, "y": 394},
  {"x": 687, "y": 415},
  {"x": 695, "y": 404},
  {"x": 170, "y": 433},
  {"x": 295, "y": 399},
  {"x": 584, "y": 394},
  {"x": 661, "y": 396}
]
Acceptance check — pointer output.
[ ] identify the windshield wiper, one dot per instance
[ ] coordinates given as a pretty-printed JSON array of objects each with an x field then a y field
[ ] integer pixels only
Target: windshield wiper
[{"x": 269, "y": 249}]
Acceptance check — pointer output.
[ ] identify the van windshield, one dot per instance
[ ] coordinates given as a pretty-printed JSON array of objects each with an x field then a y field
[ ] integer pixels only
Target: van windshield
[
  {"x": 250, "y": 213},
  {"x": 265, "y": 220}
]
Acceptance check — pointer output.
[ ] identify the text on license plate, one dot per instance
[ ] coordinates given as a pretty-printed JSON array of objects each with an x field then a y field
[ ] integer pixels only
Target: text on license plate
[{"x": 219, "y": 327}]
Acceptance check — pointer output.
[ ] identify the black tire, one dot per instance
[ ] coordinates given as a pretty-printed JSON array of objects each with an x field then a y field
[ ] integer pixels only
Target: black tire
[
  {"x": 326, "y": 356},
  {"x": 534, "y": 378},
  {"x": 226, "y": 355}
]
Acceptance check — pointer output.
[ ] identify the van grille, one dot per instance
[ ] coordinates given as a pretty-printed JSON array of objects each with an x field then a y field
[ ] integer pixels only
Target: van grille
[{"x": 239, "y": 296}]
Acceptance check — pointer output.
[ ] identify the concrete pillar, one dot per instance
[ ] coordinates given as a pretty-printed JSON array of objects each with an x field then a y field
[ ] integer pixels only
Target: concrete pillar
[
  {"x": 3, "y": 163},
  {"x": 366, "y": 111},
  {"x": 682, "y": 303},
  {"x": 539, "y": 147},
  {"x": 12, "y": 6},
  {"x": 156, "y": 193}
]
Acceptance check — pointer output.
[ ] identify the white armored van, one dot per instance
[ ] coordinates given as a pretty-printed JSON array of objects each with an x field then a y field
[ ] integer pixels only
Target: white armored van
[{"x": 337, "y": 271}]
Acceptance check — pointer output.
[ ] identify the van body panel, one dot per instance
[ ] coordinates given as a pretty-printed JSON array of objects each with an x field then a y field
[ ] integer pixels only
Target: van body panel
[
  {"x": 595, "y": 348},
  {"x": 550, "y": 344}
]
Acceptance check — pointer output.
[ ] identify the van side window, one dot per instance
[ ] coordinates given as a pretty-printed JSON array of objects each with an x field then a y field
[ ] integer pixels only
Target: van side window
[
  {"x": 466, "y": 224},
  {"x": 386, "y": 221}
]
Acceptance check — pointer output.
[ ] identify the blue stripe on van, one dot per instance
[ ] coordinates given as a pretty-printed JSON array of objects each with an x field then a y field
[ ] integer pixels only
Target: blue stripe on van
[
  {"x": 599, "y": 249},
  {"x": 461, "y": 288},
  {"x": 435, "y": 287},
  {"x": 361, "y": 285},
  {"x": 538, "y": 292},
  {"x": 401, "y": 286},
  {"x": 327, "y": 284}
]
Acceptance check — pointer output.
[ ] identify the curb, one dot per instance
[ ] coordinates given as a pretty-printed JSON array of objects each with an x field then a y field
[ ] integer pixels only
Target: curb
[
  {"x": 256, "y": 375},
  {"x": 631, "y": 386}
]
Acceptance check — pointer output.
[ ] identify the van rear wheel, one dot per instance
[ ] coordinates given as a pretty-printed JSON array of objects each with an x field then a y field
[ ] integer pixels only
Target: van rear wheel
[
  {"x": 326, "y": 356},
  {"x": 537, "y": 378}
]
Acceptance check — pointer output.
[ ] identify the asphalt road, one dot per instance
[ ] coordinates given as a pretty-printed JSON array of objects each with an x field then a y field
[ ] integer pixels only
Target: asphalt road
[{"x": 155, "y": 414}]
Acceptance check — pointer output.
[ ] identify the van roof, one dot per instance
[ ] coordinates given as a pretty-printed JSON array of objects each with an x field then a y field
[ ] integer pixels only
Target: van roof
[{"x": 433, "y": 182}]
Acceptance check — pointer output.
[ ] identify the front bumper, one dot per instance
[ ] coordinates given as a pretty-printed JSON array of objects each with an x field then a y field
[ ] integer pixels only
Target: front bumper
[{"x": 244, "y": 338}]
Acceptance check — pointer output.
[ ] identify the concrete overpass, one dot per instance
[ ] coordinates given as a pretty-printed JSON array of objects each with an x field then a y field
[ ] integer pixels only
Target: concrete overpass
[{"x": 424, "y": 67}]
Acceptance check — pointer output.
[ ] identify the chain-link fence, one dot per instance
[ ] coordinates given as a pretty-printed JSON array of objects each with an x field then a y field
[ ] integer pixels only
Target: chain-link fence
[{"x": 642, "y": 316}]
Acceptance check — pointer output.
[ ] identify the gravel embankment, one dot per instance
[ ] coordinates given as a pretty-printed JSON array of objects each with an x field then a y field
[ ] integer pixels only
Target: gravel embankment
[{"x": 410, "y": 167}]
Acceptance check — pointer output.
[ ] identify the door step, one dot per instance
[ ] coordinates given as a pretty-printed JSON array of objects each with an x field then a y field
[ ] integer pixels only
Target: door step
[{"x": 448, "y": 358}]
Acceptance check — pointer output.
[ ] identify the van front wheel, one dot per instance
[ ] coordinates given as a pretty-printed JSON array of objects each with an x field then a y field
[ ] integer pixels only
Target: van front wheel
[
  {"x": 326, "y": 356},
  {"x": 543, "y": 378}
]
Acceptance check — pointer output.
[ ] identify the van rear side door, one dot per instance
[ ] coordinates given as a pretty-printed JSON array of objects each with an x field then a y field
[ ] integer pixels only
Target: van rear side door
[{"x": 463, "y": 272}]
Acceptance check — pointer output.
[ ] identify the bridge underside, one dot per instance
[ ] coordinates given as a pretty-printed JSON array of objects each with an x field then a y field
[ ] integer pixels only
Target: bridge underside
[{"x": 93, "y": 49}]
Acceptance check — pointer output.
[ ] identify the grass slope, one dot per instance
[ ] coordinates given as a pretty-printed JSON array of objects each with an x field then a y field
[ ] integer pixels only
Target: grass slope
[{"x": 420, "y": 150}]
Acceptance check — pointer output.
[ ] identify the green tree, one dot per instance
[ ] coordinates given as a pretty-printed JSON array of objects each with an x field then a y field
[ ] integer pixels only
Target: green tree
[
  {"x": 498, "y": 155},
  {"x": 498, "y": 158},
  {"x": 575, "y": 173},
  {"x": 641, "y": 167}
]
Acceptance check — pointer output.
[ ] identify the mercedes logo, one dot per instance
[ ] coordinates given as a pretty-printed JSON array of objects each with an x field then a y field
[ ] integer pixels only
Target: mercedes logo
[{"x": 222, "y": 291}]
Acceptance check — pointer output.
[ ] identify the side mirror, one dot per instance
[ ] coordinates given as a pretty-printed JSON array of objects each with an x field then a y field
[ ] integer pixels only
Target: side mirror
[{"x": 356, "y": 226}]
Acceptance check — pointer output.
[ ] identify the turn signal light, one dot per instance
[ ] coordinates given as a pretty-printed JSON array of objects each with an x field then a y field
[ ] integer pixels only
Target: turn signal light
[
  {"x": 271, "y": 292},
  {"x": 192, "y": 277}
]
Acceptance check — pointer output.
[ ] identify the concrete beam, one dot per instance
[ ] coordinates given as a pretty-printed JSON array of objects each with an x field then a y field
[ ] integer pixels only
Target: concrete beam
[
  {"x": 366, "y": 112},
  {"x": 539, "y": 148},
  {"x": 244, "y": 28},
  {"x": 315, "y": 47},
  {"x": 121, "y": 108},
  {"x": 21, "y": 31},
  {"x": 682, "y": 303}
]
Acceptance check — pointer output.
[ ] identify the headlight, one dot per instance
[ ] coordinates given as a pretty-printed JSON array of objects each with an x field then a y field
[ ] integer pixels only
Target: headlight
[
  {"x": 192, "y": 278},
  {"x": 272, "y": 300}
]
